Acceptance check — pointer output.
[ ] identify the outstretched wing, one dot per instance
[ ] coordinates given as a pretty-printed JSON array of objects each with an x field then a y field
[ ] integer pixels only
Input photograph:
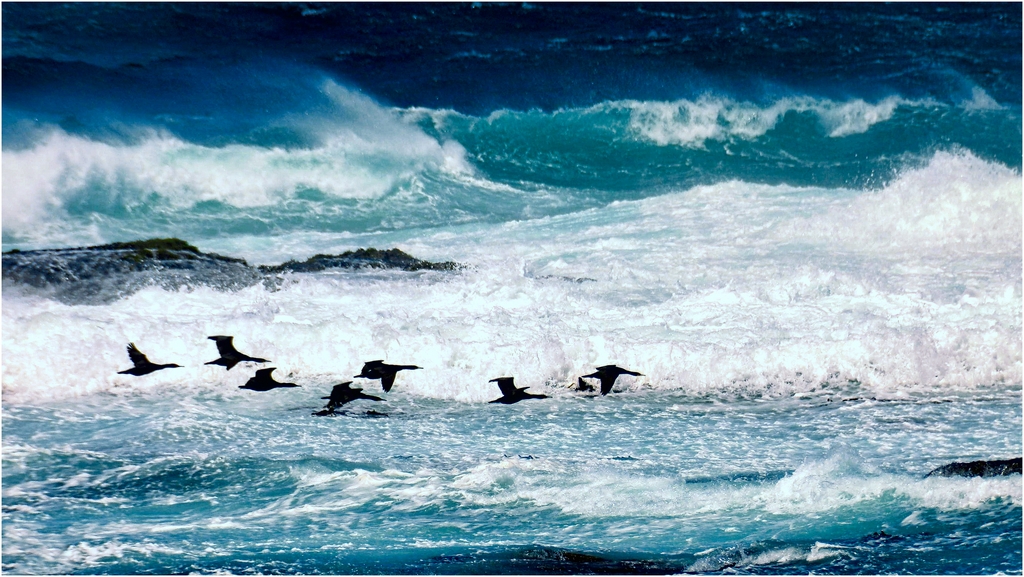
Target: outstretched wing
[
  {"x": 264, "y": 373},
  {"x": 371, "y": 370},
  {"x": 606, "y": 383},
  {"x": 507, "y": 386},
  {"x": 387, "y": 380},
  {"x": 136, "y": 355},
  {"x": 341, "y": 391},
  {"x": 224, "y": 346}
]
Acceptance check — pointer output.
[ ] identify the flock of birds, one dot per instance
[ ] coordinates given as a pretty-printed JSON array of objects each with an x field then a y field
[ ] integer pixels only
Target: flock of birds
[{"x": 344, "y": 393}]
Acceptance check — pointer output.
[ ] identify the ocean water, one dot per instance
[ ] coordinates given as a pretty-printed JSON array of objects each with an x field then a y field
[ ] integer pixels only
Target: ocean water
[{"x": 800, "y": 223}]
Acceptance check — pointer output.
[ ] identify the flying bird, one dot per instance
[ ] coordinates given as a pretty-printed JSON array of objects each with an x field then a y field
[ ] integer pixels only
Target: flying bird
[
  {"x": 608, "y": 374},
  {"x": 230, "y": 357},
  {"x": 510, "y": 393},
  {"x": 384, "y": 372},
  {"x": 344, "y": 393},
  {"x": 142, "y": 364},
  {"x": 264, "y": 382}
]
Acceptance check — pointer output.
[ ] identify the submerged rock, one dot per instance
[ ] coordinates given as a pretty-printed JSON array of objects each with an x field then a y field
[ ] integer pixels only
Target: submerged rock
[
  {"x": 979, "y": 469},
  {"x": 104, "y": 273}
]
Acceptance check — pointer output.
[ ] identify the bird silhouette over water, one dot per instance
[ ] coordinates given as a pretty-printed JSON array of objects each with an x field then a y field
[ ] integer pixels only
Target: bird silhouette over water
[
  {"x": 230, "y": 357},
  {"x": 343, "y": 393},
  {"x": 384, "y": 372},
  {"x": 264, "y": 382},
  {"x": 510, "y": 393},
  {"x": 142, "y": 365},
  {"x": 608, "y": 374}
]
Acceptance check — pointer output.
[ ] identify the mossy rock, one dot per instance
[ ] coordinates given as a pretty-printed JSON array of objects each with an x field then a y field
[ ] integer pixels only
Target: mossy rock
[
  {"x": 161, "y": 245},
  {"x": 361, "y": 258},
  {"x": 162, "y": 249}
]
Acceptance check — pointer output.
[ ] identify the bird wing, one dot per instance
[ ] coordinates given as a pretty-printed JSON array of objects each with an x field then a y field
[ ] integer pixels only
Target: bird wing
[
  {"x": 606, "y": 383},
  {"x": 387, "y": 381},
  {"x": 264, "y": 373},
  {"x": 341, "y": 391},
  {"x": 136, "y": 355},
  {"x": 371, "y": 370},
  {"x": 225, "y": 346},
  {"x": 507, "y": 386}
]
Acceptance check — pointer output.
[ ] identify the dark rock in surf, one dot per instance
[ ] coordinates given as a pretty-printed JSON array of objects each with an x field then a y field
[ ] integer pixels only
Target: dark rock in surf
[
  {"x": 979, "y": 469},
  {"x": 361, "y": 258},
  {"x": 104, "y": 273},
  {"x": 583, "y": 386}
]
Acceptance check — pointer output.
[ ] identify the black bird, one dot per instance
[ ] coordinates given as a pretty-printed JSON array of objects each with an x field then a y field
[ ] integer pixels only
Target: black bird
[
  {"x": 512, "y": 394},
  {"x": 344, "y": 393},
  {"x": 142, "y": 364},
  {"x": 384, "y": 372},
  {"x": 264, "y": 382},
  {"x": 608, "y": 374},
  {"x": 229, "y": 357}
]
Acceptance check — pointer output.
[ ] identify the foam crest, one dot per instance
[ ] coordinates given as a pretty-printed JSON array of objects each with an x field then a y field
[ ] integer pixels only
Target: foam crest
[
  {"x": 956, "y": 202},
  {"x": 980, "y": 100},
  {"x": 365, "y": 152},
  {"x": 691, "y": 123},
  {"x": 815, "y": 488}
]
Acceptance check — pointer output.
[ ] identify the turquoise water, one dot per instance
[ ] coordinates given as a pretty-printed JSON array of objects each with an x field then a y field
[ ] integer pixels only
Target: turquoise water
[
  {"x": 801, "y": 224},
  {"x": 657, "y": 482}
]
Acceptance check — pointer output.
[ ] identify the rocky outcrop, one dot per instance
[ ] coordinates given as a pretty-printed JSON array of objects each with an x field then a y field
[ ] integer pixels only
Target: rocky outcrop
[
  {"x": 978, "y": 469},
  {"x": 104, "y": 273}
]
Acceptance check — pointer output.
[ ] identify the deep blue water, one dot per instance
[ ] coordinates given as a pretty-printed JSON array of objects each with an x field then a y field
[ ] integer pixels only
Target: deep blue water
[{"x": 800, "y": 222}]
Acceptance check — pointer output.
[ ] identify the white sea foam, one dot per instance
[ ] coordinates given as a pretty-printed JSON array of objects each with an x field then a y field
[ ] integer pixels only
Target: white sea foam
[
  {"x": 692, "y": 122},
  {"x": 24, "y": 539},
  {"x": 814, "y": 489},
  {"x": 365, "y": 151},
  {"x": 980, "y": 100},
  {"x": 955, "y": 203},
  {"x": 596, "y": 492},
  {"x": 731, "y": 288}
]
